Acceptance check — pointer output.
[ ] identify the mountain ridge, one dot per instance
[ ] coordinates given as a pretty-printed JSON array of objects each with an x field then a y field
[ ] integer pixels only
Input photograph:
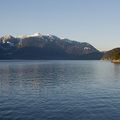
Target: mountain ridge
[
  {"x": 39, "y": 46},
  {"x": 113, "y": 54}
]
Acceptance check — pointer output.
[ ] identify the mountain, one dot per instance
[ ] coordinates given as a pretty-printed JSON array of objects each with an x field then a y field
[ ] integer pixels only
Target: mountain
[
  {"x": 38, "y": 46},
  {"x": 113, "y": 54}
]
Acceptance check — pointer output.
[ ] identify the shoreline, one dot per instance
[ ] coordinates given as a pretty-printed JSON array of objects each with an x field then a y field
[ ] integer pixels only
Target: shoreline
[{"x": 116, "y": 61}]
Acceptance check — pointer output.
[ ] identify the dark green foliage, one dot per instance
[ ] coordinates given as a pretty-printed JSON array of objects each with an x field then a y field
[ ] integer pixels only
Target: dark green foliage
[{"x": 113, "y": 54}]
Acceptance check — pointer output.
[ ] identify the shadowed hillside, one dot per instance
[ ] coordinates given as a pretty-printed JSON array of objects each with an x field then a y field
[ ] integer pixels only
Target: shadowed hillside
[{"x": 38, "y": 46}]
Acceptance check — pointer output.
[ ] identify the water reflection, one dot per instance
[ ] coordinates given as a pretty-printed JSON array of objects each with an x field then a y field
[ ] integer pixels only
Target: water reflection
[
  {"x": 116, "y": 69},
  {"x": 59, "y": 90},
  {"x": 34, "y": 76}
]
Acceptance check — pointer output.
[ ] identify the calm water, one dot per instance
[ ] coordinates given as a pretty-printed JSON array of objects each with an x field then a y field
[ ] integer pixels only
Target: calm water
[{"x": 59, "y": 90}]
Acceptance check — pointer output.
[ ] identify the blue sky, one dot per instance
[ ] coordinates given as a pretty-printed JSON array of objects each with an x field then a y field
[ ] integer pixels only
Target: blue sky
[{"x": 94, "y": 21}]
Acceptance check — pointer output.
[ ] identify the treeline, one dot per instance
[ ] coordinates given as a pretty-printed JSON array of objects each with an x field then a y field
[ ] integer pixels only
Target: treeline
[{"x": 113, "y": 54}]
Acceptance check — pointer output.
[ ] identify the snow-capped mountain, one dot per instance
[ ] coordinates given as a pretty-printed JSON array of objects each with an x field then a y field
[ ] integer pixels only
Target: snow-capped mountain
[{"x": 39, "y": 46}]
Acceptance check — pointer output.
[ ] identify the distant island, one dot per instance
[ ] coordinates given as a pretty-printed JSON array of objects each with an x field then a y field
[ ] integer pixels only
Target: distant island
[{"x": 46, "y": 47}]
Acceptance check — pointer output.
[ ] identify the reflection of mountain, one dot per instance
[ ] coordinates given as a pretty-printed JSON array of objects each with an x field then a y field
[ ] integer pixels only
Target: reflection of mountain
[
  {"x": 20, "y": 76},
  {"x": 39, "y": 46}
]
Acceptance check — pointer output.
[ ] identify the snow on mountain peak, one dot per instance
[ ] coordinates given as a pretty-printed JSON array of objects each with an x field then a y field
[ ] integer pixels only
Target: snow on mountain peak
[
  {"x": 32, "y": 35},
  {"x": 37, "y": 34},
  {"x": 7, "y": 37}
]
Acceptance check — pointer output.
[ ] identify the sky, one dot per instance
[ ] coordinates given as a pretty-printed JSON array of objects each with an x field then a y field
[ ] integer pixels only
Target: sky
[{"x": 94, "y": 21}]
